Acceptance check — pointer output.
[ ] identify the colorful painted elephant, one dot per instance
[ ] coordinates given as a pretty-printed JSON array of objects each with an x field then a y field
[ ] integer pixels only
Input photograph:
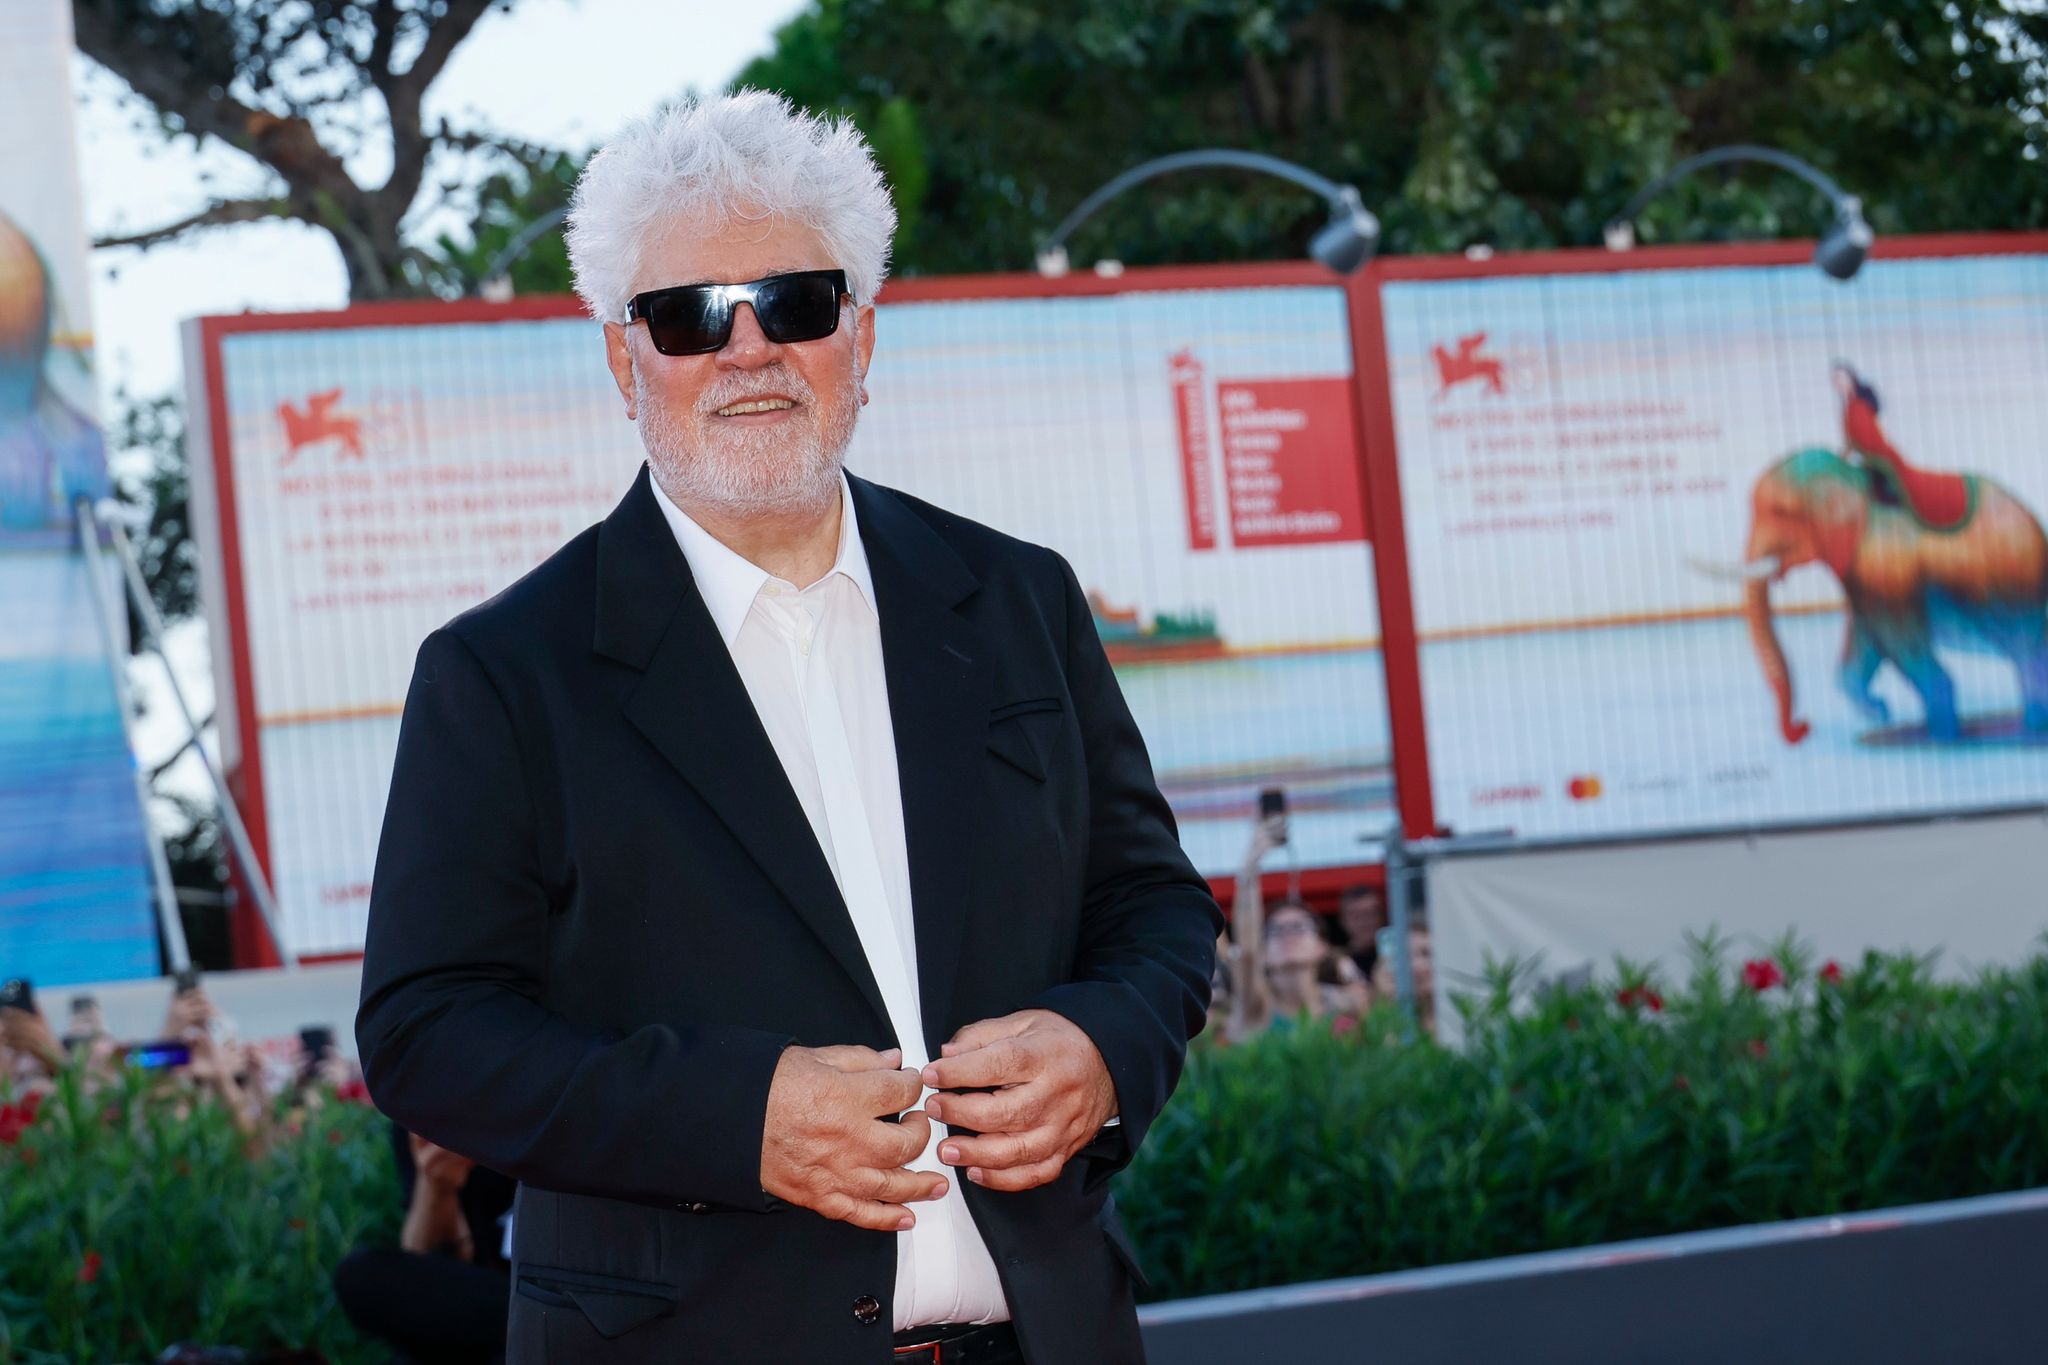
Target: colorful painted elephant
[{"x": 1981, "y": 585}]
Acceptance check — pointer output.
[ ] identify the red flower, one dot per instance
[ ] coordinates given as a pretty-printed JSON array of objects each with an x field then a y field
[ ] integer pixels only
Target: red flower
[
  {"x": 12, "y": 1121},
  {"x": 1342, "y": 1024},
  {"x": 1757, "y": 1048},
  {"x": 32, "y": 1105},
  {"x": 353, "y": 1091},
  {"x": 89, "y": 1268},
  {"x": 1760, "y": 974},
  {"x": 1680, "y": 1083},
  {"x": 1641, "y": 995},
  {"x": 1831, "y": 972},
  {"x": 334, "y": 1137}
]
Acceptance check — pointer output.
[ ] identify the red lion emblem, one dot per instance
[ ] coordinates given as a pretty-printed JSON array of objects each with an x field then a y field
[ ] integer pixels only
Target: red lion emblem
[
  {"x": 1455, "y": 367},
  {"x": 317, "y": 422}
]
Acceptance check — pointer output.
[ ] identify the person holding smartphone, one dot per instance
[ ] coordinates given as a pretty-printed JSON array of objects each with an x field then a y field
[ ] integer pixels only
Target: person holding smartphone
[{"x": 1282, "y": 968}]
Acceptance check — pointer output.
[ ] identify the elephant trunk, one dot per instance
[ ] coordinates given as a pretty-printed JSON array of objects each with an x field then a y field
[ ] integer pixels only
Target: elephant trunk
[{"x": 1763, "y": 634}]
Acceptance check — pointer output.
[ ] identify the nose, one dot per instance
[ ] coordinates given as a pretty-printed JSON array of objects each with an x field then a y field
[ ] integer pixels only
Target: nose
[{"x": 748, "y": 348}]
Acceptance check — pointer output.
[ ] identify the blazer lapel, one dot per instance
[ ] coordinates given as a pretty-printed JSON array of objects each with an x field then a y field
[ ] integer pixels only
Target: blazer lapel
[
  {"x": 692, "y": 705},
  {"x": 940, "y": 672}
]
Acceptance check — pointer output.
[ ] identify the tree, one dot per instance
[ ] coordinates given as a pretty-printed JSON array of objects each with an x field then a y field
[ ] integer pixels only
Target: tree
[
  {"x": 290, "y": 86},
  {"x": 297, "y": 88},
  {"x": 1460, "y": 121}
]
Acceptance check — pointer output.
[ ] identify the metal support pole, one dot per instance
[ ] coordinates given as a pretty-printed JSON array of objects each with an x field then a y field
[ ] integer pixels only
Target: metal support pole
[
  {"x": 1398, "y": 878},
  {"x": 167, "y": 916},
  {"x": 230, "y": 815}
]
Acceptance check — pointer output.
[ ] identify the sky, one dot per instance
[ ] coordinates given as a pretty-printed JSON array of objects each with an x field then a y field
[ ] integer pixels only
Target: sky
[{"x": 562, "y": 73}]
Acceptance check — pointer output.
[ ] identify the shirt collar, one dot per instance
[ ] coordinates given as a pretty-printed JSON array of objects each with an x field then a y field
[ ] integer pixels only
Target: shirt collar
[{"x": 729, "y": 581}]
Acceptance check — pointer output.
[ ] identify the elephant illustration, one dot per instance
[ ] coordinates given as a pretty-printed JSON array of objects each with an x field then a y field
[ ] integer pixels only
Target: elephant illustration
[{"x": 1980, "y": 585}]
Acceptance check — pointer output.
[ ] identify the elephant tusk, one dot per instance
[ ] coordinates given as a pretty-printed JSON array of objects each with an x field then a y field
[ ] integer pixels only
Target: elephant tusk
[{"x": 1755, "y": 569}]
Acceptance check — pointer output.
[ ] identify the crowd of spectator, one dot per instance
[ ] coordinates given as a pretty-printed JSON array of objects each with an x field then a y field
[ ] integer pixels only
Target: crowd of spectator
[
  {"x": 1282, "y": 965},
  {"x": 438, "y": 1298}
]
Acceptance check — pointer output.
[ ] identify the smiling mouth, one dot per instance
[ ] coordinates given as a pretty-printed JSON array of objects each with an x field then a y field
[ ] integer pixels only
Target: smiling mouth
[{"x": 754, "y": 406}]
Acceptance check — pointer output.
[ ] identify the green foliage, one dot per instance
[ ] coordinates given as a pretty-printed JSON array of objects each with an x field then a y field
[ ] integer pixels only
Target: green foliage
[
  {"x": 527, "y": 185},
  {"x": 1582, "y": 1119},
  {"x": 1460, "y": 121},
  {"x": 1590, "y": 1115},
  {"x": 126, "y": 1225}
]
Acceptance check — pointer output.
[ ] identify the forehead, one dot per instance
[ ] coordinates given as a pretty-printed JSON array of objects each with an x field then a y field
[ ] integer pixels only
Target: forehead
[{"x": 726, "y": 250}]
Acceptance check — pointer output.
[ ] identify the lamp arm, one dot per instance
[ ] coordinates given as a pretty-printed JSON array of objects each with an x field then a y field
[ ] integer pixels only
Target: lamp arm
[
  {"x": 1846, "y": 205},
  {"x": 1180, "y": 161}
]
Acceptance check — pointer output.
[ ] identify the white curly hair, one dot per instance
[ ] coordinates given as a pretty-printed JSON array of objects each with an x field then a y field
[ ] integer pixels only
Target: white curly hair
[{"x": 748, "y": 153}]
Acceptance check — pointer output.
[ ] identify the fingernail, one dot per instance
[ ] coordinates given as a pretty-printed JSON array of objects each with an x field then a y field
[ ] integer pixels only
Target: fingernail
[
  {"x": 974, "y": 1174},
  {"x": 906, "y": 1223},
  {"x": 949, "y": 1154},
  {"x": 931, "y": 1107},
  {"x": 929, "y": 1076}
]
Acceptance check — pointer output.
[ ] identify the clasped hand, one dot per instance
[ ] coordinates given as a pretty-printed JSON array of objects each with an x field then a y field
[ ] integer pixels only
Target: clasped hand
[{"x": 829, "y": 1144}]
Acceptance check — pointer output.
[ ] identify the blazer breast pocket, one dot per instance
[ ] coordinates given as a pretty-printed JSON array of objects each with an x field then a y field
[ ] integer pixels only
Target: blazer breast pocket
[{"x": 1019, "y": 731}]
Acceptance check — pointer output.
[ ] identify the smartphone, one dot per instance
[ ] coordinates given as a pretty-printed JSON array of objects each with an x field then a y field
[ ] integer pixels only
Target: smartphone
[
  {"x": 167, "y": 1052},
  {"x": 1272, "y": 802},
  {"x": 187, "y": 980},
  {"x": 18, "y": 993}
]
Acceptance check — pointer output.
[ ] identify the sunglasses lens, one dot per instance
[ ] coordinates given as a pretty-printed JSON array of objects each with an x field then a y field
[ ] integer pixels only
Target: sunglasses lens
[
  {"x": 798, "y": 308},
  {"x": 688, "y": 322}
]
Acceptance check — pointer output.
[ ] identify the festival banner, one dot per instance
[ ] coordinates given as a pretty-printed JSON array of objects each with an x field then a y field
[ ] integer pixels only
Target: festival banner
[
  {"x": 74, "y": 879},
  {"x": 1725, "y": 546},
  {"x": 374, "y": 473}
]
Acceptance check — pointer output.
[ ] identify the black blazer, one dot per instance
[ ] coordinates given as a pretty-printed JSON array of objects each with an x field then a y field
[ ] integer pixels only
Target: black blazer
[{"x": 599, "y": 915}]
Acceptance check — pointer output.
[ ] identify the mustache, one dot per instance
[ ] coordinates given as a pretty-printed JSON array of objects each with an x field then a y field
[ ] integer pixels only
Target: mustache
[{"x": 783, "y": 382}]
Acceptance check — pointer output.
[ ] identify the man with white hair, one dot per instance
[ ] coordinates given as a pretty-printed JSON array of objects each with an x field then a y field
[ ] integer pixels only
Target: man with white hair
[{"x": 773, "y": 880}]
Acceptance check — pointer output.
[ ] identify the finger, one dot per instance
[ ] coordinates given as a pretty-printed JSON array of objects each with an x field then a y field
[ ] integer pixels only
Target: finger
[
  {"x": 983, "y": 1032},
  {"x": 866, "y": 1213},
  {"x": 895, "y": 1185},
  {"x": 1002, "y": 1062},
  {"x": 1001, "y": 1151},
  {"x": 1019, "y": 1177},
  {"x": 885, "y": 1092},
  {"x": 1012, "y": 1110},
  {"x": 852, "y": 1057},
  {"x": 913, "y": 1133}
]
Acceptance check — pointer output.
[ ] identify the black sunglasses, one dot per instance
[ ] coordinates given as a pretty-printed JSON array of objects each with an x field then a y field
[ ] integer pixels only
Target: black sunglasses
[{"x": 694, "y": 319}]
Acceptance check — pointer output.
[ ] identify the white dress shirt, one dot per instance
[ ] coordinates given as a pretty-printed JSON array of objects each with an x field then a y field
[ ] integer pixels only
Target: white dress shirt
[{"x": 811, "y": 660}]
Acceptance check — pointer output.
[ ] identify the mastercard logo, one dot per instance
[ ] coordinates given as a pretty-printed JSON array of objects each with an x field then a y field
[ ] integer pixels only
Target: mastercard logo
[{"x": 1584, "y": 788}]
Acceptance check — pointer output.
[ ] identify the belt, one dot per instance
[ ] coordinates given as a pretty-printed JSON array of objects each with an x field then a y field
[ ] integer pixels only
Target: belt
[{"x": 946, "y": 1343}]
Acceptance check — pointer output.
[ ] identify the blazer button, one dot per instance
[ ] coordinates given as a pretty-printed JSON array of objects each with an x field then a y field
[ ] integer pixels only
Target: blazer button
[
  {"x": 697, "y": 1206},
  {"x": 867, "y": 1308}
]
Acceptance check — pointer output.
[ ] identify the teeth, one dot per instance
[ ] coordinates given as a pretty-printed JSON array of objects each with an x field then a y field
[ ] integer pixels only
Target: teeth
[{"x": 759, "y": 405}]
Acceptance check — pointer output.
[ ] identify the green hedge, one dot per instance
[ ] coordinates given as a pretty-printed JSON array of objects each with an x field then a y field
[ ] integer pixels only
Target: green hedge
[
  {"x": 125, "y": 1227},
  {"x": 1608, "y": 1112},
  {"x": 1614, "y": 1111}
]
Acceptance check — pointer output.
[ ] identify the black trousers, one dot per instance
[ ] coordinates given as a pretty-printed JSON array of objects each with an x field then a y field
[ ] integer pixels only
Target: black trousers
[{"x": 430, "y": 1310}]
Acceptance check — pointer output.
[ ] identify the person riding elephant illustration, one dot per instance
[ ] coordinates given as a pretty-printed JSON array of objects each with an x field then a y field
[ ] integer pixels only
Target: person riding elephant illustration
[
  {"x": 1924, "y": 559},
  {"x": 1941, "y": 500}
]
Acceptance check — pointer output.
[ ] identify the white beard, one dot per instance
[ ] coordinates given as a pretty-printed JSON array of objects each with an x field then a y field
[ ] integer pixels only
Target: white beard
[{"x": 791, "y": 468}]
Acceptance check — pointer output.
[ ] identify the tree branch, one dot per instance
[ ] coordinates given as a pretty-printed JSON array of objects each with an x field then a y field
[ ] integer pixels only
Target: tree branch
[
  {"x": 403, "y": 93},
  {"x": 214, "y": 215}
]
